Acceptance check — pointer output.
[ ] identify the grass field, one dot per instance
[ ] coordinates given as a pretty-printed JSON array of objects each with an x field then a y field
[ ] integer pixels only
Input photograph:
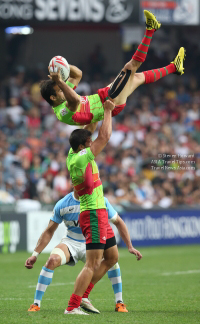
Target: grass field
[{"x": 164, "y": 287}]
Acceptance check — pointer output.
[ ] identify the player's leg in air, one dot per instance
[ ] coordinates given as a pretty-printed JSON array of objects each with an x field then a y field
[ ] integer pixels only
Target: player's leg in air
[{"x": 128, "y": 80}]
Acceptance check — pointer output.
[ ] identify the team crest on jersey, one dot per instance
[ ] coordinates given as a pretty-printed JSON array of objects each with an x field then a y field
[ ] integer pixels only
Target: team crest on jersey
[
  {"x": 63, "y": 112},
  {"x": 84, "y": 99},
  {"x": 83, "y": 152}
]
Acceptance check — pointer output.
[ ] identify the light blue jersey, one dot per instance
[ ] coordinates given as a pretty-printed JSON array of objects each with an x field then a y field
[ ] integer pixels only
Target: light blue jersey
[{"x": 68, "y": 209}]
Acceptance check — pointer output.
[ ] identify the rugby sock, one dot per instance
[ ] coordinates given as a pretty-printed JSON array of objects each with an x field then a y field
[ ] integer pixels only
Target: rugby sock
[
  {"x": 114, "y": 274},
  {"x": 142, "y": 50},
  {"x": 154, "y": 75},
  {"x": 88, "y": 290},
  {"x": 44, "y": 280},
  {"x": 74, "y": 302}
]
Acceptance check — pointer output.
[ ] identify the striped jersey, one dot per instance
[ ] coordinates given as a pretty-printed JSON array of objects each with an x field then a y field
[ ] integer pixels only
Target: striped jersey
[{"x": 67, "y": 210}]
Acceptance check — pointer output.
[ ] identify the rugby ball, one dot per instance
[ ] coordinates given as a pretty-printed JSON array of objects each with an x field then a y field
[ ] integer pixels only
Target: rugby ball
[{"x": 60, "y": 62}]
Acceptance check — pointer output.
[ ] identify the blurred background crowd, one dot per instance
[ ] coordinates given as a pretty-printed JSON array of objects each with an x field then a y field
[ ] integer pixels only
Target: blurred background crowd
[{"x": 160, "y": 120}]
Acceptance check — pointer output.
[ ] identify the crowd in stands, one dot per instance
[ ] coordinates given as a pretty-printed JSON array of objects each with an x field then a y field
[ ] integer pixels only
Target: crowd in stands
[{"x": 151, "y": 160}]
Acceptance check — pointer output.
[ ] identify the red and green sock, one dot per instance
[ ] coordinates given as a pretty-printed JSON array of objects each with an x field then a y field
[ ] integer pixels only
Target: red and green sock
[
  {"x": 154, "y": 75},
  {"x": 74, "y": 302},
  {"x": 142, "y": 50},
  {"x": 88, "y": 290}
]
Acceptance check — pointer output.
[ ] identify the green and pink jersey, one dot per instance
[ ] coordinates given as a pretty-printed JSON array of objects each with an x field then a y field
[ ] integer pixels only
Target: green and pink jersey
[
  {"x": 85, "y": 178},
  {"x": 90, "y": 109}
]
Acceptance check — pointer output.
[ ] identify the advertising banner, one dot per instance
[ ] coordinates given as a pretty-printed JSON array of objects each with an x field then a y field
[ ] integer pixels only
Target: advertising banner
[
  {"x": 176, "y": 12},
  {"x": 62, "y": 11},
  {"x": 12, "y": 232},
  {"x": 36, "y": 223},
  {"x": 159, "y": 227}
]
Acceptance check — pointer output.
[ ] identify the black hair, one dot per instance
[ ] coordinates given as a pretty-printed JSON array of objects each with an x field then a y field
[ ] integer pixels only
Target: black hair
[
  {"x": 78, "y": 137},
  {"x": 47, "y": 90}
]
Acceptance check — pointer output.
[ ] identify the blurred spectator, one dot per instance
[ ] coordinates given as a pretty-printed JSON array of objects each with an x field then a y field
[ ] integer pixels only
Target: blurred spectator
[{"x": 96, "y": 62}]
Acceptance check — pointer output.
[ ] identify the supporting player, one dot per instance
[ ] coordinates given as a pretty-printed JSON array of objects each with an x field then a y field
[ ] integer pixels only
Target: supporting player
[
  {"x": 72, "y": 249},
  {"x": 72, "y": 109},
  {"x": 93, "y": 219}
]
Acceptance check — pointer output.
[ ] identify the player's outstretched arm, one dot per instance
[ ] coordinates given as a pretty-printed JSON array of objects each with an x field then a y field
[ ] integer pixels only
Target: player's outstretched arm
[
  {"x": 124, "y": 233},
  {"x": 71, "y": 96},
  {"x": 75, "y": 75},
  {"x": 43, "y": 241},
  {"x": 105, "y": 130}
]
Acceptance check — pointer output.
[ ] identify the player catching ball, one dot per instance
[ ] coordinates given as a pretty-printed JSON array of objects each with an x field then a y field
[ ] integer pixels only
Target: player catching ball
[{"x": 72, "y": 109}]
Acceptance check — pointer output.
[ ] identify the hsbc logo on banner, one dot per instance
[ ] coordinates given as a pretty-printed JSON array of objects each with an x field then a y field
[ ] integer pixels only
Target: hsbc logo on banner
[{"x": 112, "y": 11}]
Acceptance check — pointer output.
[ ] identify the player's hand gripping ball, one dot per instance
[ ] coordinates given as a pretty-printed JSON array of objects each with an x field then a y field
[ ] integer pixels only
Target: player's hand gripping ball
[{"x": 60, "y": 62}]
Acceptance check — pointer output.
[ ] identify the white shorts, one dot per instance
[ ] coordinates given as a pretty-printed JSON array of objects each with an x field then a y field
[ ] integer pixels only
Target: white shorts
[{"x": 77, "y": 250}]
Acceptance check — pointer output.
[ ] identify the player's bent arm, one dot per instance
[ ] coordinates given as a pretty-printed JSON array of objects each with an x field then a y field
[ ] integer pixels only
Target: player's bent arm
[
  {"x": 43, "y": 241},
  {"x": 124, "y": 233},
  {"x": 91, "y": 127},
  {"x": 71, "y": 96},
  {"x": 75, "y": 75},
  {"x": 105, "y": 130},
  {"x": 46, "y": 236}
]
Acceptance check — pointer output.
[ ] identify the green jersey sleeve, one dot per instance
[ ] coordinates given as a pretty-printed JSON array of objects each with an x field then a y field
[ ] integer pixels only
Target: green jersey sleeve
[
  {"x": 84, "y": 157},
  {"x": 71, "y": 85}
]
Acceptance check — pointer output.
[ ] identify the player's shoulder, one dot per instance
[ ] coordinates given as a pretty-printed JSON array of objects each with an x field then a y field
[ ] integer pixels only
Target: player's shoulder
[
  {"x": 68, "y": 205},
  {"x": 61, "y": 106},
  {"x": 84, "y": 151},
  {"x": 85, "y": 154},
  {"x": 82, "y": 156},
  {"x": 66, "y": 201}
]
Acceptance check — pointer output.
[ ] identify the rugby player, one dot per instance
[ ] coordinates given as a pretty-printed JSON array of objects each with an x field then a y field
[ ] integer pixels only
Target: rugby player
[
  {"x": 93, "y": 218},
  {"x": 72, "y": 109},
  {"x": 72, "y": 249}
]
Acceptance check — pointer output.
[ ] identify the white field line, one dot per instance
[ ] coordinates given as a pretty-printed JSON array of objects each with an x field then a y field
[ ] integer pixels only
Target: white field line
[
  {"x": 177, "y": 273},
  {"x": 55, "y": 284},
  {"x": 21, "y": 298}
]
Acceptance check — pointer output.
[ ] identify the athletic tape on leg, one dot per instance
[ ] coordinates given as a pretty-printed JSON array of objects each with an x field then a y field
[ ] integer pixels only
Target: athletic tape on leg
[
  {"x": 61, "y": 254},
  {"x": 113, "y": 92}
]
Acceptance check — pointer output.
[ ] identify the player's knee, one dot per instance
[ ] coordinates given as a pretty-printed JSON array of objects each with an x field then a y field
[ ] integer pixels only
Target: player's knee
[
  {"x": 53, "y": 262},
  {"x": 112, "y": 259},
  {"x": 132, "y": 65},
  {"x": 94, "y": 265}
]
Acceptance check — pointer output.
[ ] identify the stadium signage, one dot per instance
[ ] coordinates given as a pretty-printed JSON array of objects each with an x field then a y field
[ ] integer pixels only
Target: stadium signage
[
  {"x": 110, "y": 11},
  {"x": 176, "y": 12},
  {"x": 12, "y": 232},
  {"x": 160, "y": 228}
]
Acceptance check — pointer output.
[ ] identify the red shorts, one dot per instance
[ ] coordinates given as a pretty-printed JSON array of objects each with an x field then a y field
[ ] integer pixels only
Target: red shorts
[
  {"x": 95, "y": 227},
  {"x": 103, "y": 94}
]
